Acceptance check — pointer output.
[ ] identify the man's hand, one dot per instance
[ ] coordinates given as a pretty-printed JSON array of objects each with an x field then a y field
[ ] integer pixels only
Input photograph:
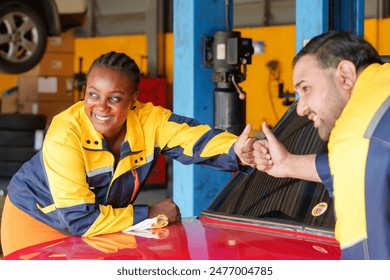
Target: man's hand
[
  {"x": 270, "y": 155},
  {"x": 244, "y": 147},
  {"x": 167, "y": 207}
]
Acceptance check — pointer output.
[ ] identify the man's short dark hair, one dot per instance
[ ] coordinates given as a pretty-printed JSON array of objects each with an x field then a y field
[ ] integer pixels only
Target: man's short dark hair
[{"x": 334, "y": 46}]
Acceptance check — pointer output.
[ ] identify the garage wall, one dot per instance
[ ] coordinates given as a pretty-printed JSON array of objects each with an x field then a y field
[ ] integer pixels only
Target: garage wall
[
  {"x": 261, "y": 87},
  {"x": 91, "y": 47},
  {"x": 262, "y": 100},
  {"x": 123, "y": 17},
  {"x": 120, "y": 17},
  {"x": 7, "y": 81}
]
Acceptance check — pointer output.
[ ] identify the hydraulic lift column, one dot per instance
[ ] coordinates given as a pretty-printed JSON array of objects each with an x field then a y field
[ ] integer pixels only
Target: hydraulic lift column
[{"x": 194, "y": 187}]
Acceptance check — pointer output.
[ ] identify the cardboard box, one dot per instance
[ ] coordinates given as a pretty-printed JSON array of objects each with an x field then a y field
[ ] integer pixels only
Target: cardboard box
[
  {"x": 47, "y": 108},
  {"x": 33, "y": 72},
  {"x": 55, "y": 88},
  {"x": 28, "y": 107},
  {"x": 57, "y": 64},
  {"x": 62, "y": 43},
  {"x": 45, "y": 88},
  {"x": 9, "y": 103},
  {"x": 52, "y": 108},
  {"x": 28, "y": 88}
]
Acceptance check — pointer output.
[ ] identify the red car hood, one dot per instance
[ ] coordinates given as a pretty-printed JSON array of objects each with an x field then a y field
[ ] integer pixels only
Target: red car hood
[{"x": 192, "y": 239}]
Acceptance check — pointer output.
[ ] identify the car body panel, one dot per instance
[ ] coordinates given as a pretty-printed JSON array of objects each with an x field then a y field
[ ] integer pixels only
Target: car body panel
[{"x": 192, "y": 239}]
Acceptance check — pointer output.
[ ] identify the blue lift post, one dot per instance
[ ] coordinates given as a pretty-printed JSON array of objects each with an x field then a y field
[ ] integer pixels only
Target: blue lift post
[
  {"x": 311, "y": 19},
  {"x": 194, "y": 187},
  {"x": 347, "y": 16},
  {"x": 314, "y": 17}
]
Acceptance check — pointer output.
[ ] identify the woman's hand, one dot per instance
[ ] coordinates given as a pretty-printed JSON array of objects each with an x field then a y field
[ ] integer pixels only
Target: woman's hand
[
  {"x": 244, "y": 147},
  {"x": 166, "y": 207}
]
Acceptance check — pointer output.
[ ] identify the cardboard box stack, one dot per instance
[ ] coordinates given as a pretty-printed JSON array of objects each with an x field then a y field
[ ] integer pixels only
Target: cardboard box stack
[
  {"x": 48, "y": 88},
  {"x": 9, "y": 101}
]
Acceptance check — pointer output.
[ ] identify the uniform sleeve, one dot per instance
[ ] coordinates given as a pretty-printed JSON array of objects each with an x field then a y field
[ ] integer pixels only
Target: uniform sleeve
[
  {"x": 323, "y": 170},
  {"x": 190, "y": 142}
]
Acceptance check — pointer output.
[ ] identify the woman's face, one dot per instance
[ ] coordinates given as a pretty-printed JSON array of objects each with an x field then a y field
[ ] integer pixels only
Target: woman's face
[{"x": 108, "y": 96}]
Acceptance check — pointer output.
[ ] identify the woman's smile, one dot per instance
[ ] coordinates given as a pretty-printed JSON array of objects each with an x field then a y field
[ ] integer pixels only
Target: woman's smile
[{"x": 103, "y": 118}]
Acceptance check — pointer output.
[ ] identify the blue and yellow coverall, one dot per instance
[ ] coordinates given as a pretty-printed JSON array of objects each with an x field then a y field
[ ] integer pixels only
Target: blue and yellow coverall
[
  {"x": 358, "y": 173},
  {"x": 72, "y": 184}
]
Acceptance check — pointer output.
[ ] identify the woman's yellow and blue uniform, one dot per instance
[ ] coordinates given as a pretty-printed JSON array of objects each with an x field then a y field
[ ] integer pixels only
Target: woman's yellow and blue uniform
[
  {"x": 359, "y": 162},
  {"x": 72, "y": 184}
]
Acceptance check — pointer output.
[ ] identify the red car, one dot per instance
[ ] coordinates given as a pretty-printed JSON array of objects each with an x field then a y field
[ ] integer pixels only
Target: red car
[{"x": 254, "y": 217}]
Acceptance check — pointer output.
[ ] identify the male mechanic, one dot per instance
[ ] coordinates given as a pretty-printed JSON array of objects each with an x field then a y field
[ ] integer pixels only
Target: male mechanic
[{"x": 343, "y": 87}]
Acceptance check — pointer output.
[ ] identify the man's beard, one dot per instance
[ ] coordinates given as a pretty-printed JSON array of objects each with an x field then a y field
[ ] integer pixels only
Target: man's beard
[
  {"x": 325, "y": 129},
  {"x": 336, "y": 104}
]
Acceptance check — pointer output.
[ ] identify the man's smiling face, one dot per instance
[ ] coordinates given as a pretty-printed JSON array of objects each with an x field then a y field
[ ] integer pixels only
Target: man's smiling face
[{"x": 320, "y": 98}]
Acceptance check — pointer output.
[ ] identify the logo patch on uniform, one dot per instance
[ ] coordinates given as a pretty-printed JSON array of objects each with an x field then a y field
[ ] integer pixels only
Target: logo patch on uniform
[{"x": 319, "y": 209}]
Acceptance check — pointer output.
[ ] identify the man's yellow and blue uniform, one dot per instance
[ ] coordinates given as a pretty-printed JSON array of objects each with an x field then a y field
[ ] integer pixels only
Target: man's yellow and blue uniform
[
  {"x": 359, "y": 162},
  {"x": 74, "y": 184}
]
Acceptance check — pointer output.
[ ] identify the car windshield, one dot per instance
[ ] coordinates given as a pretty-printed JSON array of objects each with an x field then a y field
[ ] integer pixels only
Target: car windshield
[{"x": 281, "y": 202}]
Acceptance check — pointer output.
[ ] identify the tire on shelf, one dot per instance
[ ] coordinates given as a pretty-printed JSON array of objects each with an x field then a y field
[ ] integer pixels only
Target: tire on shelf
[
  {"x": 9, "y": 168},
  {"x": 17, "y": 138},
  {"x": 22, "y": 121},
  {"x": 12, "y": 153}
]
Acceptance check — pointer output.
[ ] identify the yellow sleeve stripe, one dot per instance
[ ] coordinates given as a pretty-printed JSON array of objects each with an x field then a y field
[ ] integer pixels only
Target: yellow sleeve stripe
[{"x": 46, "y": 209}]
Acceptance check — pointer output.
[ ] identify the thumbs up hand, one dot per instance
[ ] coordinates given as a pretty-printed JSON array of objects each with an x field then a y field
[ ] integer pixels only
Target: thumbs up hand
[
  {"x": 270, "y": 155},
  {"x": 244, "y": 147}
]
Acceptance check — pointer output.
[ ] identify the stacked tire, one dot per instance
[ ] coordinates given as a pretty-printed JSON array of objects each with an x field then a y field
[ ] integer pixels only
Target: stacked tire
[{"x": 21, "y": 136}]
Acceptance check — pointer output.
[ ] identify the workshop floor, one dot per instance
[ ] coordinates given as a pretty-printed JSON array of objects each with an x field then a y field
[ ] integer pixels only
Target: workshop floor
[{"x": 149, "y": 196}]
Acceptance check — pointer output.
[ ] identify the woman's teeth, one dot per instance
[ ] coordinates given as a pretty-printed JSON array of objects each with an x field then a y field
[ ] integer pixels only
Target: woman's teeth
[{"x": 100, "y": 118}]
